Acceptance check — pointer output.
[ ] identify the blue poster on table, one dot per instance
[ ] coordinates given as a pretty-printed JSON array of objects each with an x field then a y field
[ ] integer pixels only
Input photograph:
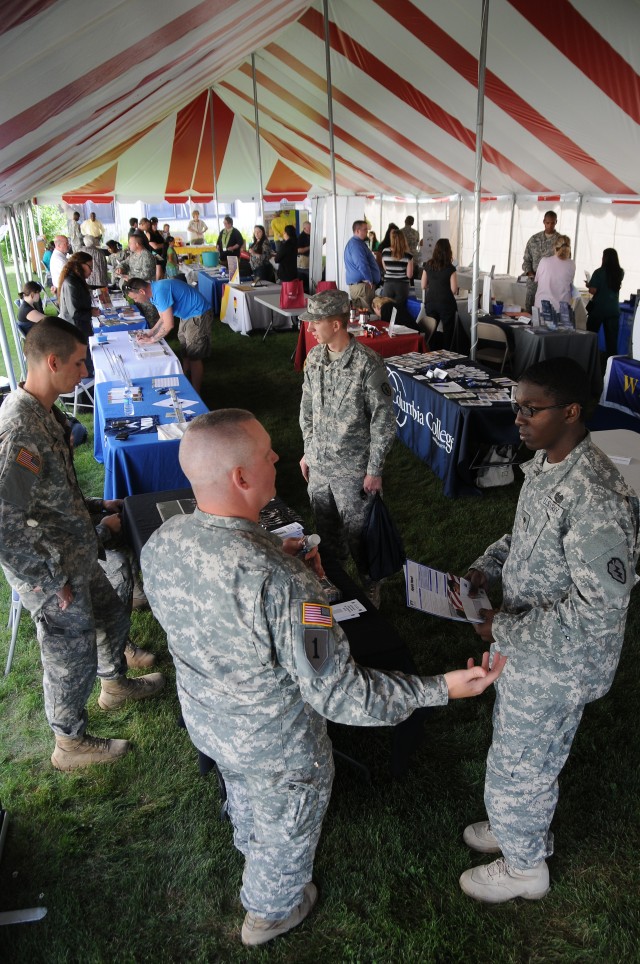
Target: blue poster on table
[
  {"x": 622, "y": 386},
  {"x": 428, "y": 425}
]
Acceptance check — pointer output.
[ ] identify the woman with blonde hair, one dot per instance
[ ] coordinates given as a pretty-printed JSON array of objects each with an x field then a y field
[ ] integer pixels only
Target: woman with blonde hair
[
  {"x": 397, "y": 261},
  {"x": 555, "y": 275}
]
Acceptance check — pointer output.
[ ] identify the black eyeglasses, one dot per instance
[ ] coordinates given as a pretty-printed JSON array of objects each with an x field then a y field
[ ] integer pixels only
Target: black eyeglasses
[{"x": 529, "y": 411}]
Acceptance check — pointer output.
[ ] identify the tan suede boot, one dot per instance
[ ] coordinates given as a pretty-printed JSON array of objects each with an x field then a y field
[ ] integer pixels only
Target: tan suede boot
[
  {"x": 115, "y": 692},
  {"x": 138, "y": 658},
  {"x": 71, "y": 753}
]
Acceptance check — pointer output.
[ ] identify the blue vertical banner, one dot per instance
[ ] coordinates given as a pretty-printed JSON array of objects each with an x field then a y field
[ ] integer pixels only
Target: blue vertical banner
[
  {"x": 622, "y": 385},
  {"x": 429, "y": 425}
]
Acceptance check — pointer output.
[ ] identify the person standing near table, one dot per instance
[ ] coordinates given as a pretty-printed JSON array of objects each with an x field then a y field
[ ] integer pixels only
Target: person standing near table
[
  {"x": 49, "y": 552},
  {"x": 230, "y": 241},
  {"x": 287, "y": 256},
  {"x": 260, "y": 663},
  {"x": 604, "y": 307},
  {"x": 439, "y": 284},
  {"x": 567, "y": 571},
  {"x": 172, "y": 297},
  {"x": 348, "y": 427},
  {"x": 362, "y": 271},
  {"x": 75, "y": 234},
  {"x": 397, "y": 261},
  {"x": 412, "y": 237},
  {"x": 260, "y": 255},
  {"x": 554, "y": 277},
  {"x": 61, "y": 249},
  {"x": 196, "y": 229},
  {"x": 278, "y": 224},
  {"x": 539, "y": 246},
  {"x": 93, "y": 227}
]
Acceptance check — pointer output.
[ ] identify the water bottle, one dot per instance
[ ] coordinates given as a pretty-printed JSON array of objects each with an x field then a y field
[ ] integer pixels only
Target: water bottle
[{"x": 128, "y": 400}]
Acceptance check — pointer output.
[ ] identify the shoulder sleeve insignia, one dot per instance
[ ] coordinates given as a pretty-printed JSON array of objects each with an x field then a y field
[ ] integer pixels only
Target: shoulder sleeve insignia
[
  {"x": 318, "y": 648},
  {"x": 315, "y": 614},
  {"x": 28, "y": 460},
  {"x": 616, "y": 569}
]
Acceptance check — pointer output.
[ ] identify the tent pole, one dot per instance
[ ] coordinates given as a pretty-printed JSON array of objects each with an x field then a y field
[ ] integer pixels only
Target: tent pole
[
  {"x": 332, "y": 155},
  {"x": 459, "y": 244},
  {"x": 25, "y": 237},
  {"x": 513, "y": 213},
  {"x": 380, "y": 231},
  {"x": 482, "y": 63},
  {"x": 6, "y": 354},
  {"x": 34, "y": 242},
  {"x": 37, "y": 206},
  {"x": 578, "y": 213},
  {"x": 15, "y": 251},
  {"x": 255, "y": 108},
  {"x": 4, "y": 283},
  {"x": 213, "y": 157}
]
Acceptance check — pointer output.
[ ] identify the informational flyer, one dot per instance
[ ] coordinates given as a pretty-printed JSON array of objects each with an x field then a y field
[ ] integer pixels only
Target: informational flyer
[{"x": 443, "y": 594}]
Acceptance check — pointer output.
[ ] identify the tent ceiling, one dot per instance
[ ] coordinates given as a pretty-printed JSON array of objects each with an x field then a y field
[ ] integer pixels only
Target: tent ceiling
[{"x": 124, "y": 112}]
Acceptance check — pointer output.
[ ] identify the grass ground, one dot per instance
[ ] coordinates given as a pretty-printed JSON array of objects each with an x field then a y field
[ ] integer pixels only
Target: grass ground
[{"x": 133, "y": 864}]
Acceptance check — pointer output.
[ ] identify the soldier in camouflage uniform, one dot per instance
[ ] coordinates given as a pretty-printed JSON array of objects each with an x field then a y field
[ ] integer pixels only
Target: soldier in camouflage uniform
[
  {"x": 260, "y": 663},
  {"x": 539, "y": 246},
  {"x": 348, "y": 427},
  {"x": 140, "y": 263},
  {"x": 567, "y": 571},
  {"x": 49, "y": 552}
]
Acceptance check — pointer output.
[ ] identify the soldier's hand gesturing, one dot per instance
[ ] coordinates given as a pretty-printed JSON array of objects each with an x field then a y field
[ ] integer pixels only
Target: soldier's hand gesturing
[{"x": 475, "y": 679}]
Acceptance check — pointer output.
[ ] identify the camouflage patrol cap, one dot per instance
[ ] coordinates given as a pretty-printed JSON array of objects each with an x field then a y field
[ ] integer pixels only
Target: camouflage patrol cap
[{"x": 326, "y": 305}]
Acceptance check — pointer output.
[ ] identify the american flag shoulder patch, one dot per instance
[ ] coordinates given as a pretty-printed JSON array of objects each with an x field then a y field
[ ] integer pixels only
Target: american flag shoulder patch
[
  {"x": 315, "y": 614},
  {"x": 28, "y": 460}
]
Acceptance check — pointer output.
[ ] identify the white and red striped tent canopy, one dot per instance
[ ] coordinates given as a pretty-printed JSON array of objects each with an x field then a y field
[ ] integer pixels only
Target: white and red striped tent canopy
[{"x": 112, "y": 100}]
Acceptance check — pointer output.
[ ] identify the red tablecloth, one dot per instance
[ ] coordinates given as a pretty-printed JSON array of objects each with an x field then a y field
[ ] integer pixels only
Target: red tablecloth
[{"x": 385, "y": 346}]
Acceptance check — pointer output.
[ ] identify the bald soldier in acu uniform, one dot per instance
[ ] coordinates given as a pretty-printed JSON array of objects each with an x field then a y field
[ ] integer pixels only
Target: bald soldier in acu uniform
[
  {"x": 260, "y": 663},
  {"x": 567, "y": 571}
]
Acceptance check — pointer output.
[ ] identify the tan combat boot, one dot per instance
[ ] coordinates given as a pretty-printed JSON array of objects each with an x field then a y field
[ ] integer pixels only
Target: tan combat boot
[
  {"x": 138, "y": 658},
  {"x": 257, "y": 930},
  {"x": 71, "y": 753},
  {"x": 115, "y": 692}
]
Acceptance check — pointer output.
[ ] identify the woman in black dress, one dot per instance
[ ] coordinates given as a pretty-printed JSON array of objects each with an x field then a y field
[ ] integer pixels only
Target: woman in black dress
[
  {"x": 287, "y": 256},
  {"x": 439, "y": 285},
  {"x": 30, "y": 311},
  {"x": 75, "y": 297}
]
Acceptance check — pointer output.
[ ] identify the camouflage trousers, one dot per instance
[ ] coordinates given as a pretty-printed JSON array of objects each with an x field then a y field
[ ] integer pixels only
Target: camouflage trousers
[
  {"x": 532, "y": 738},
  {"x": 276, "y": 826},
  {"x": 71, "y": 655},
  {"x": 340, "y": 507},
  {"x": 530, "y": 296},
  {"x": 118, "y": 568}
]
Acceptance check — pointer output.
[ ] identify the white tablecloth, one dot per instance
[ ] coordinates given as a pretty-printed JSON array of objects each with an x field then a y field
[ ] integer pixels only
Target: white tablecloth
[{"x": 140, "y": 361}]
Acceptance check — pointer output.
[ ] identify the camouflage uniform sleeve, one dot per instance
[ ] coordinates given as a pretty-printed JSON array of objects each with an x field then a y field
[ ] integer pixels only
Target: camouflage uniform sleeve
[
  {"x": 306, "y": 411},
  {"x": 315, "y": 652},
  {"x": 493, "y": 559},
  {"x": 601, "y": 559},
  {"x": 382, "y": 420},
  {"x": 527, "y": 261},
  {"x": 23, "y": 549}
]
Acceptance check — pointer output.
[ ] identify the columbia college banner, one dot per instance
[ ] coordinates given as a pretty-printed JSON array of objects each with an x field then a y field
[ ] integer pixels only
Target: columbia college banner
[
  {"x": 622, "y": 385},
  {"x": 429, "y": 426}
]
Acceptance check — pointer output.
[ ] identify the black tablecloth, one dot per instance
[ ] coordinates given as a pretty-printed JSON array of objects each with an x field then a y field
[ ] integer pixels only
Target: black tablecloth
[{"x": 373, "y": 641}]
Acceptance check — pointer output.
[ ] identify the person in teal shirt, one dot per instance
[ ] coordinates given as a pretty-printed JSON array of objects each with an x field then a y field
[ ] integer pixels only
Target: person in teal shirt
[{"x": 604, "y": 307}]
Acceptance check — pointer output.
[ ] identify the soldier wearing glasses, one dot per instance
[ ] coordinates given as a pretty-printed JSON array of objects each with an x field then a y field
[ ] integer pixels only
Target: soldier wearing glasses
[{"x": 567, "y": 571}]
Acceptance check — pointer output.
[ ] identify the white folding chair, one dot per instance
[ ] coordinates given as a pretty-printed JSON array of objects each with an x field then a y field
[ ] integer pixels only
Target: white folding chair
[
  {"x": 497, "y": 355},
  {"x": 81, "y": 396}
]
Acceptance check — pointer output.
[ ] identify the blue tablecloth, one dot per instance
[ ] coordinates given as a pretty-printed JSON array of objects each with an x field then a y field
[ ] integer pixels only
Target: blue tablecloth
[
  {"x": 210, "y": 287},
  {"x": 622, "y": 385},
  {"x": 444, "y": 434},
  {"x": 627, "y": 312},
  {"x": 142, "y": 463},
  {"x": 413, "y": 307}
]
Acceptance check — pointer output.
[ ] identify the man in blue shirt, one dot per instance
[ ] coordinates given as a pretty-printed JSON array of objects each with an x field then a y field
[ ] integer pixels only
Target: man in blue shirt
[
  {"x": 175, "y": 298},
  {"x": 363, "y": 273}
]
